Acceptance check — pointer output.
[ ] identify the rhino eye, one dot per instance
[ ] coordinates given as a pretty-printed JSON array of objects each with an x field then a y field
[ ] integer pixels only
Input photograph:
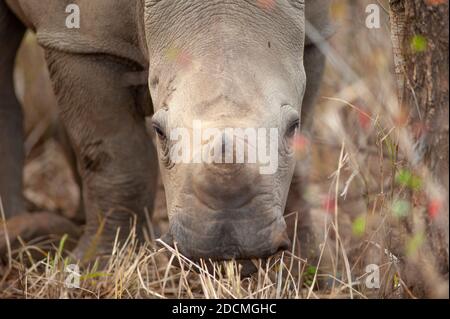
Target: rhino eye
[
  {"x": 292, "y": 128},
  {"x": 159, "y": 123},
  {"x": 291, "y": 117},
  {"x": 159, "y": 131}
]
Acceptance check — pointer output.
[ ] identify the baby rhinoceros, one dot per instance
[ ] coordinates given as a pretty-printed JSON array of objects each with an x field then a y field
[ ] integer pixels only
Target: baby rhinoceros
[{"x": 229, "y": 85}]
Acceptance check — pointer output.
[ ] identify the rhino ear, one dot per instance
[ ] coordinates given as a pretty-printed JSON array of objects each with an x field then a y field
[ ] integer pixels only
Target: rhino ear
[{"x": 318, "y": 24}]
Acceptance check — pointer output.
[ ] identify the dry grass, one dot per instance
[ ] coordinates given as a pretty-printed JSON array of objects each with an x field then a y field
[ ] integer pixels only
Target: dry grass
[
  {"x": 366, "y": 183},
  {"x": 145, "y": 271}
]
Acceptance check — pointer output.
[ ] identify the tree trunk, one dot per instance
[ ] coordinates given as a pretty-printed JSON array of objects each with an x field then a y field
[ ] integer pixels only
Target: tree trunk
[{"x": 420, "y": 43}]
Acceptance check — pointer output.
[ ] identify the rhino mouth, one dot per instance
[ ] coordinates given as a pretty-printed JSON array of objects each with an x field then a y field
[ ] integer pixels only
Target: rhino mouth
[{"x": 227, "y": 240}]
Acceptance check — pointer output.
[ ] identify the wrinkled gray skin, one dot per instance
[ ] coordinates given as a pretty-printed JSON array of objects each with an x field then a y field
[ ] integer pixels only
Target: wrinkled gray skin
[{"x": 248, "y": 66}]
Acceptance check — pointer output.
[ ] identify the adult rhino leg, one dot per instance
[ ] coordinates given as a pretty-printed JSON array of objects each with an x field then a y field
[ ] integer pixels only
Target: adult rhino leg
[
  {"x": 11, "y": 118},
  {"x": 18, "y": 222},
  {"x": 314, "y": 62},
  {"x": 115, "y": 156},
  {"x": 69, "y": 153}
]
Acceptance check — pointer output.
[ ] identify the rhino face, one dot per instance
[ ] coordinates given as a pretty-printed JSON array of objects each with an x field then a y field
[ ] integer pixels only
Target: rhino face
[{"x": 227, "y": 82}]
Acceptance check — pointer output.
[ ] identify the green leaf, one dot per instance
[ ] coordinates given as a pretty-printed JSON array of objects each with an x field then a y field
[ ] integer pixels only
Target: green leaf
[
  {"x": 62, "y": 244},
  {"x": 407, "y": 179},
  {"x": 415, "y": 183},
  {"x": 414, "y": 243},
  {"x": 94, "y": 275},
  {"x": 396, "y": 280},
  {"x": 419, "y": 43},
  {"x": 359, "y": 226},
  {"x": 403, "y": 177},
  {"x": 401, "y": 208},
  {"x": 311, "y": 270}
]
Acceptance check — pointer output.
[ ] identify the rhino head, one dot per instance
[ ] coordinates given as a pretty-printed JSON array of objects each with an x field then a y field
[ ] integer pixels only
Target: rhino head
[{"x": 227, "y": 81}]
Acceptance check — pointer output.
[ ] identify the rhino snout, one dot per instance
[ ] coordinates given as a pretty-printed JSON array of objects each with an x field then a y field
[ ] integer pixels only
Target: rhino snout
[{"x": 225, "y": 235}]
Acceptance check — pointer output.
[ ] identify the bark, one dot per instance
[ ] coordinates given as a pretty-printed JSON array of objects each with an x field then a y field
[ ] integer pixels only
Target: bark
[{"x": 419, "y": 31}]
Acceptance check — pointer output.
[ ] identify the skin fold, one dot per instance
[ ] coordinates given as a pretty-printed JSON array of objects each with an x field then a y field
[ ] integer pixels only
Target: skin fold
[{"x": 229, "y": 64}]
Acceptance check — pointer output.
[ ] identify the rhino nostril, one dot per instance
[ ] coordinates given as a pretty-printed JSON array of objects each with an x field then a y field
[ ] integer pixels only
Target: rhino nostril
[
  {"x": 286, "y": 245},
  {"x": 282, "y": 243}
]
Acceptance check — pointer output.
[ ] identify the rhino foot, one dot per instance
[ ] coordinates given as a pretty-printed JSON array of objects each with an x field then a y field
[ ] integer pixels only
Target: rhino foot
[{"x": 30, "y": 226}]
